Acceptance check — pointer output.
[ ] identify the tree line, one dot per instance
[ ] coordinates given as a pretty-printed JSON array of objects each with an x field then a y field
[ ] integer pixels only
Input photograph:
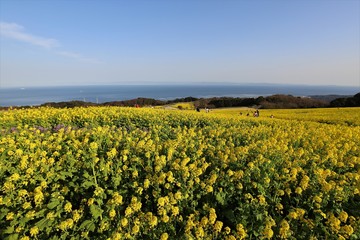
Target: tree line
[
  {"x": 347, "y": 102},
  {"x": 277, "y": 101}
]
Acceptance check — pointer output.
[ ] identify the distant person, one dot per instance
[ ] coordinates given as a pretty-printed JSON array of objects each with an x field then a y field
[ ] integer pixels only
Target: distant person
[
  {"x": 272, "y": 116},
  {"x": 198, "y": 109},
  {"x": 207, "y": 110}
]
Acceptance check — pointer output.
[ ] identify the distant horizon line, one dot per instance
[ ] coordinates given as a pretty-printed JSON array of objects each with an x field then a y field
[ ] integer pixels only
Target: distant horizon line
[{"x": 182, "y": 84}]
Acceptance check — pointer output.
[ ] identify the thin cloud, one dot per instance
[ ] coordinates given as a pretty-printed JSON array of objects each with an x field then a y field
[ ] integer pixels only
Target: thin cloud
[
  {"x": 69, "y": 54},
  {"x": 17, "y": 32},
  {"x": 77, "y": 56}
]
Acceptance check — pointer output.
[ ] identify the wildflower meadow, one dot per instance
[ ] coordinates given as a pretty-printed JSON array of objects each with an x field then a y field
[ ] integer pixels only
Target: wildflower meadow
[{"x": 141, "y": 173}]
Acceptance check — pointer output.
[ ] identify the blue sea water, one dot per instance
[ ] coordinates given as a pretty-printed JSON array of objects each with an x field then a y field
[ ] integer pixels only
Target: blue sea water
[{"x": 33, "y": 96}]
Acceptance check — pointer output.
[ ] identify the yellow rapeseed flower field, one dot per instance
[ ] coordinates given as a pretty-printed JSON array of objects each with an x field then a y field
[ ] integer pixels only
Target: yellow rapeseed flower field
[{"x": 130, "y": 173}]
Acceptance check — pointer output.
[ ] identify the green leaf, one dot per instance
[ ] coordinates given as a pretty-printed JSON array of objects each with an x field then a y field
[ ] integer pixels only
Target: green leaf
[
  {"x": 220, "y": 198},
  {"x": 23, "y": 220},
  {"x": 87, "y": 184},
  {"x": 96, "y": 211},
  {"x": 13, "y": 237},
  {"x": 43, "y": 223},
  {"x": 3, "y": 213},
  {"x": 116, "y": 180},
  {"x": 88, "y": 225},
  {"x": 66, "y": 174},
  {"x": 9, "y": 230},
  {"x": 41, "y": 213},
  {"x": 54, "y": 238},
  {"x": 87, "y": 175},
  {"x": 54, "y": 202}
]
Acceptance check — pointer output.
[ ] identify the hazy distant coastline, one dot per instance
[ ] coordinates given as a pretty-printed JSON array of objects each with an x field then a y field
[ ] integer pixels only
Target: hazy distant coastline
[{"x": 33, "y": 96}]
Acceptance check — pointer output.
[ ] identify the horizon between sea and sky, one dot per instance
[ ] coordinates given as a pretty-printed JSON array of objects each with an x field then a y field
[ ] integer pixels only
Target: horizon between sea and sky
[{"x": 75, "y": 43}]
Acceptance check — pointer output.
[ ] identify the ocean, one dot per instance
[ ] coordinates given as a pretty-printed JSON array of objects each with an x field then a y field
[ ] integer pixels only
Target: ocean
[{"x": 33, "y": 96}]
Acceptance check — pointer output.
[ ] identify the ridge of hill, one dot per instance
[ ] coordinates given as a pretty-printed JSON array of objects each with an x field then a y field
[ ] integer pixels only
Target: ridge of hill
[{"x": 277, "y": 101}]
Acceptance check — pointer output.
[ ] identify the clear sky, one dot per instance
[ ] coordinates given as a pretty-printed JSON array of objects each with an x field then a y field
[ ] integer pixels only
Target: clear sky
[{"x": 79, "y": 42}]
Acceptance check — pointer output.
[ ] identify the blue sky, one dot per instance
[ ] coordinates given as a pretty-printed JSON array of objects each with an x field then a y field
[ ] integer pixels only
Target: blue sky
[{"x": 47, "y": 43}]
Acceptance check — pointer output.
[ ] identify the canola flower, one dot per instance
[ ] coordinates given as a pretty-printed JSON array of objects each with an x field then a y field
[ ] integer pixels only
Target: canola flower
[{"x": 123, "y": 173}]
